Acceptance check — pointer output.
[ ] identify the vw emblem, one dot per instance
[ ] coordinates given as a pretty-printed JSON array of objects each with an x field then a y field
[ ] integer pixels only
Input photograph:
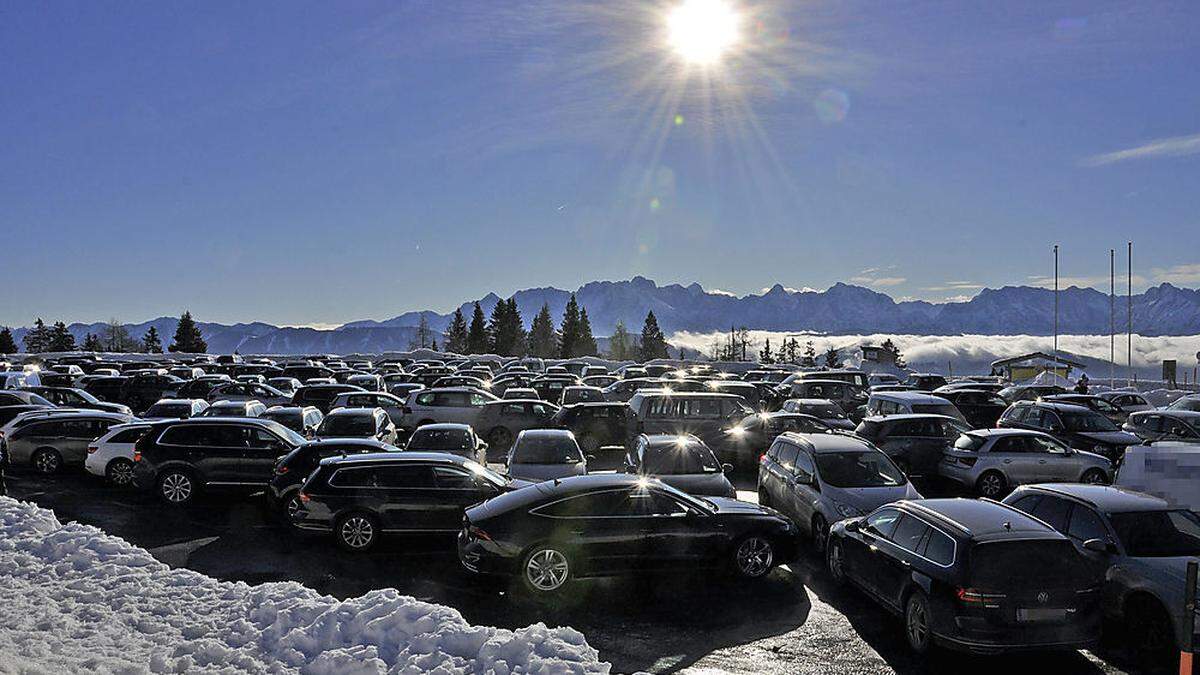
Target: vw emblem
[{"x": 1043, "y": 597}]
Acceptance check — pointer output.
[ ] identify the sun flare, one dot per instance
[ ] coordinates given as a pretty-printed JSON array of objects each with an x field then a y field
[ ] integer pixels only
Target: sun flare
[{"x": 701, "y": 31}]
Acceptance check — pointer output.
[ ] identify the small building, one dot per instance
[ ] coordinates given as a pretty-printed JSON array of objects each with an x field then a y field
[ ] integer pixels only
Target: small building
[
  {"x": 1029, "y": 366},
  {"x": 878, "y": 355}
]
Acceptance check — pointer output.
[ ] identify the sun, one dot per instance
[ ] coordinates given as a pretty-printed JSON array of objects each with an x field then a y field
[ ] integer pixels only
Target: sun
[{"x": 701, "y": 31}]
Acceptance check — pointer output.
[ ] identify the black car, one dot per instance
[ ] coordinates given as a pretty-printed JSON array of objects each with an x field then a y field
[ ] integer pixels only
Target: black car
[
  {"x": 745, "y": 443},
  {"x": 199, "y": 387},
  {"x": 550, "y": 533},
  {"x": 320, "y": 396},
  {"x": 595, "y": 425},
  {"x": 500, "y": 421},
  {"x": 142, "y": 390},
  {"x": 980, "y": 408},
  {"x": 177, "y": 459},
  {"x": 1165, "y": 425},
  {"x": 107, "y": 388},
  {"x": 24, "y": 397},
  {"x": 70, "y": 397},
  {"x": 970, "y": 574},
  {"x": 292, "y": 469},
  {"x": 683, "y": 462},
  {"x": 1079, "y": 427},
  {"x": 456, "y": 439},
  {"x": 8, "y": 412},
  {"x": 359, "y": 497}
]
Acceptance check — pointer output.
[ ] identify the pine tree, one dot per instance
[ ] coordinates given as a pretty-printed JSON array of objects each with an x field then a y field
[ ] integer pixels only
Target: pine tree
[
  {"x": 618, "y": 343},
  {"x": 810, "y": 353},
  {"x": 91, "y": 343},
  {"x": 543, "y": 341},
  {"x": 505, "y": 332},
  {"x": 456, "y": 334},
  {"x": 37, "y": 339},
  {"x": 766, "y": 356},
  {"x": 586, "y": 345},
  {"x": 7, "y": 344},
  {"x": 423, "y": 337},
  {"x": 188, "y": 338},
  {"x": 654, "y": 343},
  {"x": 569, "y": 342},
  {"x": 61, "y": 339},
  {"x": 831, "y": 357},
  {"x": 151, "y": 343},
  {"x": 477, "y": 336},
  {"x": 517, "y": 326}
]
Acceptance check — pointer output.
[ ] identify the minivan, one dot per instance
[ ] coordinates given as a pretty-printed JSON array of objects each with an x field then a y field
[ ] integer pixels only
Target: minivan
[{"x": 705, "y": 416}]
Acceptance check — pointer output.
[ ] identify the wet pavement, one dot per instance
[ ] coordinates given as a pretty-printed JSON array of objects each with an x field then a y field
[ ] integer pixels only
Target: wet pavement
[{"x": 794, "y": 621}]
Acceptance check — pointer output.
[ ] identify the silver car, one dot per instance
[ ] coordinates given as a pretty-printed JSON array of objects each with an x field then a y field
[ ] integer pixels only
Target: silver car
[
  {"x": 50, "y": 442},
  {"x": 991, "y": 461},
  {"x": 545, "y": 454}
]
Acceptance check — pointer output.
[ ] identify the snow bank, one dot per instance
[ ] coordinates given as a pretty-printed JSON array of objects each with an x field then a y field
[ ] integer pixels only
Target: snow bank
[{"x": 73, "y": 599}]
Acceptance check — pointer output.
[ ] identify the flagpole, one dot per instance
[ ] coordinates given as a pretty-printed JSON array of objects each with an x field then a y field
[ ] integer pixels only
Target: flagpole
[
  {"x": 1129, "y": 296},
  {"x": 1055, "y": 366},
  {"x": 1112, "y": 320}
]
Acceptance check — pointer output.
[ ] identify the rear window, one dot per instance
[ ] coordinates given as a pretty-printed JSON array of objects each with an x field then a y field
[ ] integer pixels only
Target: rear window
[
  {"x": 348, "y": 425},
  {"x": 685, "y": 459},
  {"x": 440, "y": 439},
  {"x": 546, "y": 450},
  {"x": 969, "y": 443},
  {"x": 1004, "y": 565}
]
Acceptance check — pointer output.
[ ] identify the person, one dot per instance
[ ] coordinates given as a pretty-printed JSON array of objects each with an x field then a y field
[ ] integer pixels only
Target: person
[{"x": 1081, "y": 386}]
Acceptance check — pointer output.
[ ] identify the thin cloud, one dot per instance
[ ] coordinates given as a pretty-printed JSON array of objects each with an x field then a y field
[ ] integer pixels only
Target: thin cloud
[
  {"x": 871, "y": 276},
  {"x": 1180, "y": 275},
  {"x": 1098, "y": 282},
  {"x": 955, "y": 286},
  {"x": 1176, "y": 146}
]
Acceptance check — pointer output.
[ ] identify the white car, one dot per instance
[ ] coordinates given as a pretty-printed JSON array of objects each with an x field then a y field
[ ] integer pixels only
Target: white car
[
  {"x": 453, "y": 404},
  {"x": 111, "y": 455}
]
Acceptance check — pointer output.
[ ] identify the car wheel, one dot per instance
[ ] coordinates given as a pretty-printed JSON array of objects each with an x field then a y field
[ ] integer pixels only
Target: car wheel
[
  {"x": 753, "y": 557},
  {"x": 47, "y": 461},
  {"x": 546, "y": 570},
  {"x": 835, "y": 560},
  {"x": 1094, "y": 477},
  {"x": 917, "y": 623},
  {"x": 499, "y": 438},
  {"x": 991, "y": 485},
  {"x": 289, "y": 506},
  {"x": 820, "y": 533},
  {"x": 357, "y": 532},
  {"x": 176, "y": 487},
  {"x": 1149, "y": 630},
  {"x": 120, "y": 472}
]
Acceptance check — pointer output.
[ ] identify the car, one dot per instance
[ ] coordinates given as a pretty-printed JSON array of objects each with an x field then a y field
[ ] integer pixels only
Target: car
[
  {"x": 10, "y": 412},
  {"x": 391, "y": 404},
  {"x": 401, "y": 390},
  {"x": 292, "y": 469},
  {"x": 911, "y": 403},
  {"x": 1126, "y": 401},
  {"x": 368, "y": 381},
  {"x": 233, "y": 409},
  {"x": 992, "y": 461},
  {"x": 24, "y": 397},
  {"x": 1029, "y": 392},
  {"x": 856, "y": 378},
  {"x": 578, "y": 393},
  {"x": 882, "y": 380},
  {"x": 456, "y": 439},
  {"x": 501, "y": 421},
  {"x": 111, "y": 455},
  {"x": 746, "y": 442},
  {"x": 550, "y": 387},
  {"x": 521, "y": 393},
  {"x": 455, "y": 404},
  {"x": 750, "y": 393},
  {"x": 623, "y": 390},
  {"x": 1190, "y": 402},
  {"x": 545, "y": 454},
  {"x": 971, "y": 575},
  {"x": 925, "y": 381},
  {"x": 915, "y": 443},
  {"x": 175, "y": 408},
  {"x": 179, "y": 459},
  {"x": 286, "y": 385},
  {"x": 459, "y": 380},
  {"x": 552, "y": 533},
  {"x": 248, "y": 391},
  {"x": 978, "y": 407},
  {"x": 371, "y": 423},
  {"x": 683, "y": 462},
  {"x": 989, "y": 386},
  {"x": 703, "y": 415},
  {"x": 140, "y": 390},
  {"x": 199, "y": 387},
  {"x": 1100, "y": 405},
  {"x": 303, "y": 420},
  {"x": 359, "y": 498},
  {"x": 595, "y": 425},
  {"x": 1165, "y": 425},
  {"x": 18, "y": 379},
  {"x": 1079, "y": 427},
  {"x": 321, "y": 396},
  {"x": 49, "y": 442},
  {"x": 600, "y": 381},
  {"x": 106, "y": 388},
  {"x": 818, "y": 479},
  {"x": 71, "y": 397},
  {"x": 1143, "y": 545},
  {"x": 823, "y": 409},
  {"x": 844, "y": 394}
]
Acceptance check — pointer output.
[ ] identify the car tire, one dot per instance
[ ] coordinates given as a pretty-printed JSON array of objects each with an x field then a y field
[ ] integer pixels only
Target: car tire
[
  {"x": 499, "y": 437},
  {"x": 753, "y": 556},
  {"x": 289, "y": 503},
  {"x": 545, "y": 570},
  {"x": 835, "y": 561},
  {"x": 120, "y": 472},
  {"x": 356, "y": 532},
  {"x": 47, "y": 461},
  {"x": 1094, "y": 477},
  {"x": 992, "y": 484},
  {"x": 917, "y": 622},
  {"x": 176, "y": 487},
  {"x": 1149, "y": 630},
  {"x": 820, "y": 534}
]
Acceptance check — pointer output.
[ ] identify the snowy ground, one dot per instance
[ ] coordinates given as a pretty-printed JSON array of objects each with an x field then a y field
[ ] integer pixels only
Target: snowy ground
[{"x": 75, "y": 599}]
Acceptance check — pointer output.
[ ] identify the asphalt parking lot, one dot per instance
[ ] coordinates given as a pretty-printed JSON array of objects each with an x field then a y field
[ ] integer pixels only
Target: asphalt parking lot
[{"x": 794, "y": 621}]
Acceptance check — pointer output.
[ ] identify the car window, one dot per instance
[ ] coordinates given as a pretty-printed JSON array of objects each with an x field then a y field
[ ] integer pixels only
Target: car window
[
  {"x": 804, "y": 463},
  {"x": 939, "y": 547},
  {"x": 455, "y": 479},
  {"x": 399, "y": 476},
  {"x": 1053, "y": 511},
  {"x": 787, "y": 456},
  {"x": 1085, "y": 525},
  {"x": 425, "y": 399},
  {"x": 644, "y": 503},
  {"x": 1027, "y": 503},
  {"x": 883, "y": 522},
  {"x": 478, "y": 400},
  {"x": 910, "y": 533},
  {"x": 128, "y": 435},
  {"x": 607, "y": 503}
]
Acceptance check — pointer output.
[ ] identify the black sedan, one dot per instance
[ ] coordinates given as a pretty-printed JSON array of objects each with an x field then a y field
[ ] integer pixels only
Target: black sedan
[
  {"x": 294, "y": 467},
  {"x": 608, "y": 524}
]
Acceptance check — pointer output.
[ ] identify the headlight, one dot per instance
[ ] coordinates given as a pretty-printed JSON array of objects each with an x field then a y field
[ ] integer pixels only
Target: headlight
[
  {"x": 736, "y": 431},
  {"x": 846, "y": 510}
]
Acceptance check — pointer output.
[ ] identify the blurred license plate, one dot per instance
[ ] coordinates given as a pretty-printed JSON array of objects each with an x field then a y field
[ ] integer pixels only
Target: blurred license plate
[{"x": 1041, "y": 614}]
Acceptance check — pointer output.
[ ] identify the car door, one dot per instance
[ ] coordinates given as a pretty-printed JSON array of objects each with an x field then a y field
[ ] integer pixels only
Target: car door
[
  {"x": 862, "y": 563},
  {"x": 263, "y": 449},
  {"x": 1008, "y": 454},
  {"x": 803, "y": 489},
  {"x": 1055, "y": 462},
  {"x": 673, "y": 536},
  {"x": 457, "y": 490},
  {"x": 408, "y": 498},
  {"x": 892, "y": 565},
  {"x": 603, "y": 529},
  {"x": 778, "y": 477},
  {"x": 220, "y": 451}
]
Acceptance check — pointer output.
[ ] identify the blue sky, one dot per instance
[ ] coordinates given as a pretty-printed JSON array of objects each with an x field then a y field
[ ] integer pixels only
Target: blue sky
[{"x": 314, "y": 163}]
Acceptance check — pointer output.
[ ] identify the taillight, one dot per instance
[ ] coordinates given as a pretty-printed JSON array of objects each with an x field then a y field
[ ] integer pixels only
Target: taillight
[
  {"x": 762, "y": 458},
  {"x": 968, "y": 461},
  {"x": 137, "y": 456},
  {"x": 280, "y": 470},
  {"x": 92, "y": 449},
  {"x": 477, "y": 533},
  {"x": 977, "y": 598},
  {"x": 304, "y": 499}
]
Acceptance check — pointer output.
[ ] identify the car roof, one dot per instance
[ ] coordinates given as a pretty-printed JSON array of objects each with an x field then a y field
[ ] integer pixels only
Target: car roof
[
  {"x": 347, "y": 411},
  {"x": 404, "y": 456},
  {"x": 1189, "y": 415},
  {"x": 219, "y": 418},
  {"x": 828, "y": 443},
  {"x": 908, "y": 416},
  {"x": 1004, "y": 431},
  {"x": 546, "y": 433},
  {"x": 812, "y": 401},
  {"x": 1109, "y": 498},
  {"x": 910, "y": 396},
  {"x": 1058, "y": 406},
  {"x": 658, "y": 440},
  {"x": 980, "y": 519},
  {"x": 368, "y": 442},
  {"x": 818, "y": 380},
  {"x": 444, "y": 426}
]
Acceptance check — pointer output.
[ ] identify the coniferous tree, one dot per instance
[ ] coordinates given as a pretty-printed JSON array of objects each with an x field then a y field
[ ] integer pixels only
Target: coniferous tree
[
  {"x": 543, "y": 341},
  {"x": 188, "y": 338},
  {"x": 91, "y": 343},
  {"x": 517, "y": 328},
  {"x": 618, "y": 343},
  {"x": 456, "y": 334},
  {"x": 116, "y": 337},
  {"x": 505, "y": 331},
  {"x": 151, "y": 342},
  {"x": 766, "y": 356},
  {"x": 423, "y": 337},
  {"x": 831, "y": 357},
  {"x": 654, "y": 343},
  {"x": 477, "y": 335},
  {"x": 7, "y": 344},
  {"x": 37, "y": 339},
  {"x": 569, "y": 340},
  {"x": 586, "y": 345},
  {"x": 61, "y": 339}
]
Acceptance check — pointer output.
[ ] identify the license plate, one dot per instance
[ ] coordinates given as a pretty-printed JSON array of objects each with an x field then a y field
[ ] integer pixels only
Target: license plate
[{"x": 1041, "y": 614}]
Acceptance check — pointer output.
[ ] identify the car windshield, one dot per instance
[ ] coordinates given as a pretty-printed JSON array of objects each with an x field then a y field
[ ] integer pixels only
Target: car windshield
[
  {"x": 1087, "y": 421},
  {"x": 168, "y": 410},
  {"x": 969, "y": 443},
  {"x": 858, "y": 469},
  {"x": 822, "y": 410},
  {"x": 680, "y": 459},
  {"x": 81, "y": 394},
  {"x": 440, "y": 439},
  {"x": 1158, "y": 534},
  {"x": 348, "y": 425},
  {"x": 546, "y": 450},
  {"x": 1186, "y": 403}
]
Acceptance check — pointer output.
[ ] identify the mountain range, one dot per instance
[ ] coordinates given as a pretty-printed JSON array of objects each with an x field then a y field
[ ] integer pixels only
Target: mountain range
[{"x": 841, "y": 309}]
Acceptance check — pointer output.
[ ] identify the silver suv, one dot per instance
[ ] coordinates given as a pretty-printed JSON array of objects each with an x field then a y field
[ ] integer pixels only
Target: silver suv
[
  {"x": 991, "y": 461},
  {"x": 57, "y": 439}
]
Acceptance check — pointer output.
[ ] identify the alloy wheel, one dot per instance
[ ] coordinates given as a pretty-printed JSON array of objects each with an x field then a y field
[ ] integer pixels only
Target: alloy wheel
[
  {"x": 1094, "y": 477},
  {"x": 547, "y": 570},
  {"x": 916, "y": 623},
  {"x": 754, "y": 557},
  {"x": 120, "y": 473},
  {"x": 835, "y": 561},
  {"x": 46, "y": 462},
  {"x": 991, "y": 485},
  {"x": 357, "y": 532},
  {"x": 176, "y": 488}
]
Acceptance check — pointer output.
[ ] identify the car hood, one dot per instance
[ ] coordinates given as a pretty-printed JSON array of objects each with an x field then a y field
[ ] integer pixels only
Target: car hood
[
  {"x": 1110, "y": 437},
  {"x": 703, "y": 484},
  {"x": 541, "y": 472},
  {"x": 726, "y": 505},
  {"x": 841, "y": 424},
  {"x": 867, "y": 499}
]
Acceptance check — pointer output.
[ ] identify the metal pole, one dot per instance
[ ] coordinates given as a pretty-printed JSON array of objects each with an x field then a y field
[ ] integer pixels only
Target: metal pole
[
  {"x": 1055, "y": 366},
  {"x": 1112, "y": 318},
  {"x": 1129, "y": 296}
]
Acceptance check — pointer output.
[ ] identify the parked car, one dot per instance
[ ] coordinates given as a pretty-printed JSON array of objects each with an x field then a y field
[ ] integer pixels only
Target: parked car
[
  {"x": 624, "y": 389},
  {"x": 456, "y": 404},
  {"x": 683, "y": 462},
  {"x": 578, "y": 393},
  {"x": 392, "y": 405},
  {"x": 24, "y": 397},
  {"x": 70, "y": 397},
  {"x": 367, "y": 381},
  {"x": 359, "y": 498},
  {"x": 746, "y": 442},
  {"x": 911, "y": 403},
  {"x": 199, "y": 387},
  {"x": 925, "y": 381},
  {"x": 703, "y": 415},
  {"x": 823, "y": 409},
  {"x": 1144, "y": 545},
  {"x": 844, "y": 394},
  {"x": 371, "y": 423},
  {"x": 248, "y": 391},
  {"x": 10, "y": 412},
  {"x": 915, "y": 443},
  {"x": 1165, "y": 425},
  {"x": 970, "y": 574},
  {"x": 175, "y": 408},
  {"x": 512, "y": 393},
  {"x": 818, "y": 479},
  {"x": 53, "y": 441},
  {"x": 550, "y": 534},
  {"x": 1191, "y": 402},
  {"x": 599, "y": 381},
  {"x": 1076, "y": 426},
  {"x": 1029, "y": 392},
  {"x": 320, "y": 396},
  {"x": 233, "y": 409},
  {"x": 545, "y": 454},
  {"x": 141, "y": 390},
  {"x": 456, "y": 439},
  {"x": 1127, "y": 401},
  {"x": 750, "y": 393},
  {"x": 595, "y": 425},
  {"x": 401, "y": 390},
  {"x": 1100, "y": 405},
  {"x": 111, "y": 455},
  {"x": 303, "y": 420},
  {"x": 501, "y": 421},
  {"x": 286, "y": 385},
  {"x": 979, "y": 408},
  {"x": 179, "y": 459},
  {"x": 19, "y": 379},
  {"x": 993, "y": 461},
  {"x": 292, "y": 469}
]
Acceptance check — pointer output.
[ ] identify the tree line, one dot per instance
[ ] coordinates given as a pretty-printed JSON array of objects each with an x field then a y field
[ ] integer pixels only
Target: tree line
[{"x": 113, "y": 337}]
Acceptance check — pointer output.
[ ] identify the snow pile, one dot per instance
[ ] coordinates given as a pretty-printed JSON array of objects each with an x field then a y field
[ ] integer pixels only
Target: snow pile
[{"x": 73, "y": 598}]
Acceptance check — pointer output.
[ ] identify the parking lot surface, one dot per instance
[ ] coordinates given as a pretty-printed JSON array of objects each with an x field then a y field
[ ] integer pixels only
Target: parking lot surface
[{"x": 794, "y": 621}]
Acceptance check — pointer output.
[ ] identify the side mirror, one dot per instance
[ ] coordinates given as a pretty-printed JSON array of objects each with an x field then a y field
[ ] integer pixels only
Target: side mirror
[
  {"x": 590, "y": 458},
  {"x": 802, "y": 479},
  {"x": 1098, "y": 546},
  {"x": 727, "y": 468},
  {"x": 851, "y": 526}
]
